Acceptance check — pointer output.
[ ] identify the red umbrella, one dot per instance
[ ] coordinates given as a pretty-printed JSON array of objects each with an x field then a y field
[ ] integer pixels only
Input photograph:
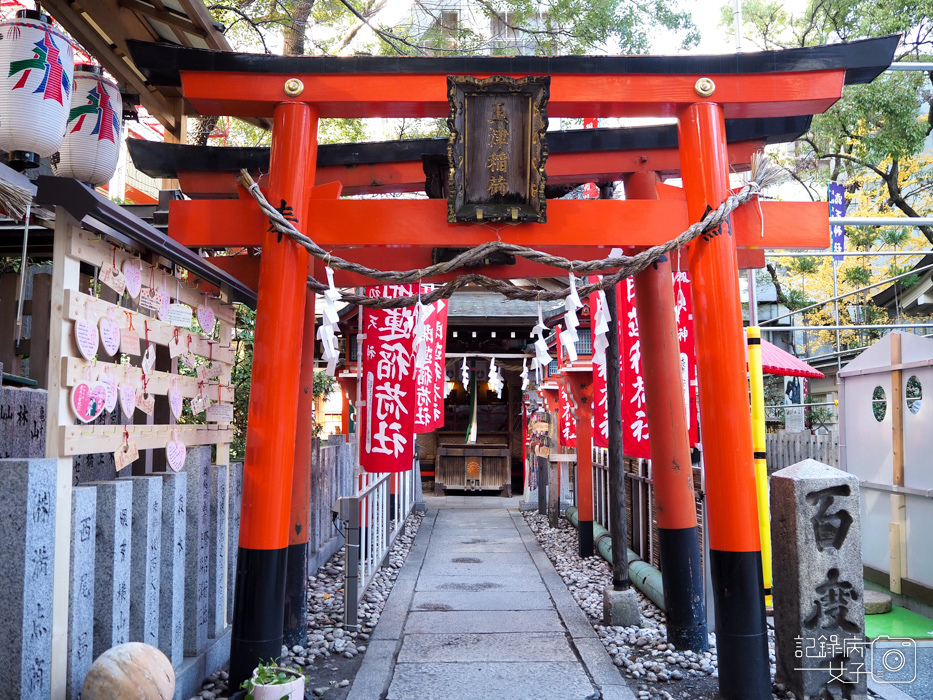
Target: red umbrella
[{"x": 776, "y": 361}]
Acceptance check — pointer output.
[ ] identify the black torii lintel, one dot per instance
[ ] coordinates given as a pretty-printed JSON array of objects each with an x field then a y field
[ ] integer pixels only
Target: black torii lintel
[{"x": 862, "y": 60}]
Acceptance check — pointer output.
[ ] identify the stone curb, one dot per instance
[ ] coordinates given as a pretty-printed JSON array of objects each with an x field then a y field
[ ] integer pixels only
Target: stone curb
[
  {"x": 375, "y": 673},
  {"x": 596, "y": 660}
]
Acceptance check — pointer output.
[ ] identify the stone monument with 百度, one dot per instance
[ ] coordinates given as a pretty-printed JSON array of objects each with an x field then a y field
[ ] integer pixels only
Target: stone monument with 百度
[{"x": 819, "y": 613}]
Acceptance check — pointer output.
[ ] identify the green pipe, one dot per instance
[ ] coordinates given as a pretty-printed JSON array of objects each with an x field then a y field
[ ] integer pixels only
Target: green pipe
[{"x": 646, "y": 578}]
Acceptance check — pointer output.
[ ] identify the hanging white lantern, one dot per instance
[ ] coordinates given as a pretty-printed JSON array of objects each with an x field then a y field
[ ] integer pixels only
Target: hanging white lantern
[
  {"x": 36, "y": 71},
  {"x": 91, "y": 149}
]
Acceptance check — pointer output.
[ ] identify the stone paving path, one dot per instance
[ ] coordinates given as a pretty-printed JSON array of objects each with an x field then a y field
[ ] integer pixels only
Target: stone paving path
[{"x": 478, "y": 612}]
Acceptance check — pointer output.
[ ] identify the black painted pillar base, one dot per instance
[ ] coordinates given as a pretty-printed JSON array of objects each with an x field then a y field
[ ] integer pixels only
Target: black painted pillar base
[
  {"x": 741, "y": 628},
  {"x": 682, "y": 577},
  {"x": 258, "y": 607},
  {"x": 295, "y": 630},
  {"x": 585, "y": 538}
]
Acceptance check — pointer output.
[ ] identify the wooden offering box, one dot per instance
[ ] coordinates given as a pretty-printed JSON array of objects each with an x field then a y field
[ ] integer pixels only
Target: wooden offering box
[{"x": 473, "y": 468}]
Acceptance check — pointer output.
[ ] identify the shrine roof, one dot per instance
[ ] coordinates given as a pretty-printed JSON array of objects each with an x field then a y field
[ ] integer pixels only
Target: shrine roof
[
  {"x": 490, "y": 308},
  {"x": 97, "y": 213},
  {"x": 104, "y": 28},
  {"x": 862, "y": 60},
  {"x": 166, "y": 160}
]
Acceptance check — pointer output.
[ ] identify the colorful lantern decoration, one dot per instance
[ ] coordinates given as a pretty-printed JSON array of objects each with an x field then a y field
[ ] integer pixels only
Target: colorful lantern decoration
[
  {"x": 92, "y": 143},
  {"x": 36, "y": 71}
]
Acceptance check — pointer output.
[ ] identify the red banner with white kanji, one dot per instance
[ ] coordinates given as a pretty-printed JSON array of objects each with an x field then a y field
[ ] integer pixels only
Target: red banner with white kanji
[
  {"x": 567, "y": 421},
  {"x": 429, "y": 402},
  {"x": 634, "y": 407},
  {"x": 683, "y": 309},
  {"x": 388, "y": 384},
  {"x": 600, "y": 414}
]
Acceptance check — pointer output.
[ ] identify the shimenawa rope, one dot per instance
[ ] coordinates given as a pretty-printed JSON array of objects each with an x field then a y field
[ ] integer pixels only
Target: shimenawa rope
[{"x": 764, "y": 174}]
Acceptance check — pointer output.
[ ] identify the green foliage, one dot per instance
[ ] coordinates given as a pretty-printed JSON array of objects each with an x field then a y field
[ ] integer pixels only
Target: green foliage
[
  {"x": 816, "y": 416},
  {"x": 796, "y": 299},
  {"x": 267, "y": 674},
  {"x": 861, "y": 237},
  {"x": 341, "y": 131},
  {"x": 857, "y": 276},
  {"x": 877, "y": 121},
  {"x": 804, "y": 265},
  {"x": 879, "y": 404},
  {"x": 329, "y": 27},
  {"x": 11, "y": 265},
  {"x": 242, "y": 373}
]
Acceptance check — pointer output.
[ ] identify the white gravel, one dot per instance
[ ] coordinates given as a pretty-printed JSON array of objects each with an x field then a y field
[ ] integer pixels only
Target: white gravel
[{"x": 641, "y": 653}]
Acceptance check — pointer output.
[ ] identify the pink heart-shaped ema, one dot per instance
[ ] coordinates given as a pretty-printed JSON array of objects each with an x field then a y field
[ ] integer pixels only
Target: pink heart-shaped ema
[
  {"x": 88, "y": 400},
  {"x": 128, "y": 399},
  {"x": 87, "y": 338},
  {"x": 110, "y": 384},
  {"x": 109, "y": 335},
  {"x": 175, "y": 402},
  {"x": 133, "y": 271},
  {"x": 175, "y": 453},
  {"x": 206, "y": 319},
  {"x": 148, "y": 361}
]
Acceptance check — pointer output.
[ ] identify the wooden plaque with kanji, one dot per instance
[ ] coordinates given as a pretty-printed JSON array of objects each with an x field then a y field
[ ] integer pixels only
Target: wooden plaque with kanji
[{"x": 497, "y": 148}]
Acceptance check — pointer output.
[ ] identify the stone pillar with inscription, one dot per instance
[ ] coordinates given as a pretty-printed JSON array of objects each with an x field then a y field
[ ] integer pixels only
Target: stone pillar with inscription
[
  {"x": 81, "y": 590},
  {"x": 819, "y": 614},
  {"x": 197, "y": 549},
  {"x": 234, "y": 498},
  {"x": 172, "y": 584},
  {"x": 27, "y": 550},
  {"x": 22, "y": 422},
  {"x": 217, "y": 574},
  {"x": 146, "y": 559},
  {"x": 112, "y": 564}
]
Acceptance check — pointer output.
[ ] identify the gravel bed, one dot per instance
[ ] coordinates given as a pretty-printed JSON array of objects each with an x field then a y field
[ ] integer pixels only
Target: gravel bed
[
  {"x": 642, "y": 654},
  {"x": 332, "y": 654}
]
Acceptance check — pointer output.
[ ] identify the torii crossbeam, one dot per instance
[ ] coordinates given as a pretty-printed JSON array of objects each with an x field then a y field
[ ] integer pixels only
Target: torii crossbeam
[{"x": 700, "y": 91}]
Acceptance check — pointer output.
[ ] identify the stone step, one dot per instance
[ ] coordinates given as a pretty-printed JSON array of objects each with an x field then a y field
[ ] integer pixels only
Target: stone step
[{"x": 876, "y": 603}]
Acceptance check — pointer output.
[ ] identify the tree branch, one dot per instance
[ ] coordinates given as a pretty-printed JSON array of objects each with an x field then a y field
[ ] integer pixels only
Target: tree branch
[
  {"x": 246, "y": 18},
  {"x": 781, "y": 298}
]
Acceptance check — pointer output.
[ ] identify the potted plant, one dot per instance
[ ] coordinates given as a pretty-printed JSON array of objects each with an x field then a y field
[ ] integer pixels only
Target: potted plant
[{"x": 271, "y": 682}]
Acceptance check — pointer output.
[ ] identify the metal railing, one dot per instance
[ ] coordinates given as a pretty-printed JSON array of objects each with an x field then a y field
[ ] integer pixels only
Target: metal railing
[
  {"x": 601, "y": 486},
  {"x": 375, "y": 516}
]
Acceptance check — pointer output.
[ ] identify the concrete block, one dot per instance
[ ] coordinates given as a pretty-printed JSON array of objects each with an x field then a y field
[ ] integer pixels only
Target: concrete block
[
  {"x": 27, "y": 549},
  {"x": 234, "y": 498},
  {"x": 172, "y": 577},
  {"x": 113, "y": 548},
  {"x": 620, "y": 608},
  {"x": 146, "y": 566},
  {"x": 81, "y": 589},
  {"x": 819, "y": 614},
  {"x": 217, "y": 575},
  {"x": 197, "y": 549}
]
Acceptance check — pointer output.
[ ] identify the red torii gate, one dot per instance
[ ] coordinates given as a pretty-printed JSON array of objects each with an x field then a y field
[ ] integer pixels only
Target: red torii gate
[{"x": 699, "y": 91}]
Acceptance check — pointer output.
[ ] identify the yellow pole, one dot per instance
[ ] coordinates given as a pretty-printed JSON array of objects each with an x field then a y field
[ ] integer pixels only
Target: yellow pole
[{"x": 756, "y": 383}]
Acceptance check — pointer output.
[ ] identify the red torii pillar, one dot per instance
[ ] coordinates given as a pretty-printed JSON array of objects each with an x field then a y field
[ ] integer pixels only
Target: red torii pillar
[
  {"x": 579, "y": 380},
  {"x": 296, "y": 574},
  {"x": 259, "y": 596},
  {"x": 732, "y": 509},
  {"x": 669, "y": 441}
]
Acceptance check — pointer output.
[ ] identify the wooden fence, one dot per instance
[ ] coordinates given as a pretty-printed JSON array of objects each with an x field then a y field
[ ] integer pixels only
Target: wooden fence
[
  {"x": 30, "y": 356},
  {"x": 785, "y": 449}
]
